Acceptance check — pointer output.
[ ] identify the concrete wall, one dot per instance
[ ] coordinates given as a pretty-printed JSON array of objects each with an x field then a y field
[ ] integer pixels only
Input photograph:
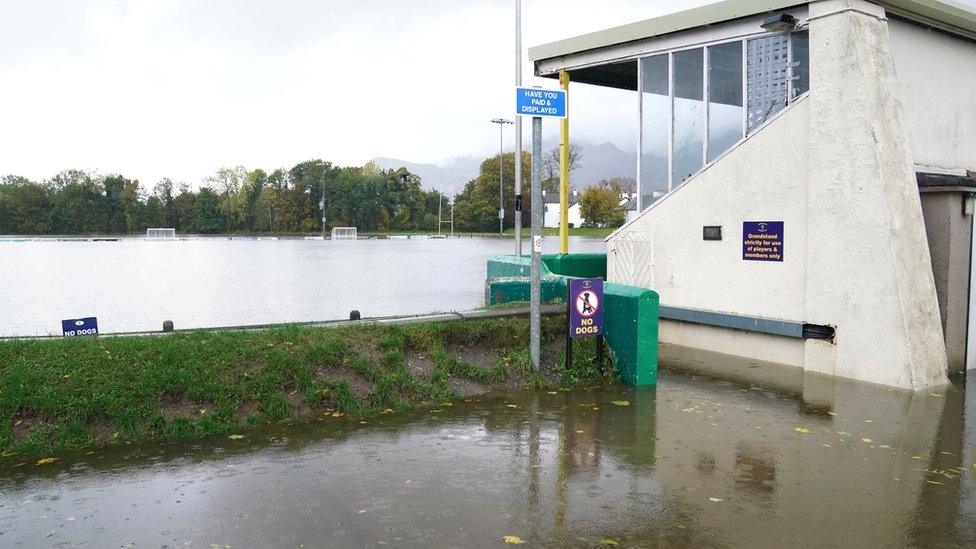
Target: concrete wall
[
  {"x": 949, "y": 234},
  {"x": 870, "y": 275},
  {"x": 762, "y": 179},
  {"x": 779, "y": 350},
  {"x": 937, "y": 76}
]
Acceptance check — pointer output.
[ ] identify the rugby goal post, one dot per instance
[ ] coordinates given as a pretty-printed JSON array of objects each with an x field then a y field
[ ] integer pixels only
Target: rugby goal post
[
  {"x": 160, "y": 234},
  {"x": 344, "y": 233}
]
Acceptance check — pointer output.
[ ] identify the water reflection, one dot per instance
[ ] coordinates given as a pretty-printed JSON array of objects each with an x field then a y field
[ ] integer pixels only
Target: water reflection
[
  {"x": 696, "y": 461},
  {"x": 135, "y": 285}
]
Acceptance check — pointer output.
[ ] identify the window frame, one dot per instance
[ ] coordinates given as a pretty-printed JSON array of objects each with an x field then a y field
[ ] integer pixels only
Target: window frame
[{"x": 705, "y": 46}]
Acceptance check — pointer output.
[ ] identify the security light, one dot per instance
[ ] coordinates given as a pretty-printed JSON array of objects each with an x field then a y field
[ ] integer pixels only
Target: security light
[{"x": 780, "y": 22}]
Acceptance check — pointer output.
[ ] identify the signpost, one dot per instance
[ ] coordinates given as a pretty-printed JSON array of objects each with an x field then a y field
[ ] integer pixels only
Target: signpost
[
  {"x": 74, "y": 327},
  {"x": 585, "y": 307},
  {"x": 537, "y": 103},
  {"x": 584, "y": 304}
]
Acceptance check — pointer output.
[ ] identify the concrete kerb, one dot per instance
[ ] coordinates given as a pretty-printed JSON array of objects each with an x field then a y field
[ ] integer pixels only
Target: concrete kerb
[
  {"x": 630, "y": 317},
  {"x": 547, "y": 310}
]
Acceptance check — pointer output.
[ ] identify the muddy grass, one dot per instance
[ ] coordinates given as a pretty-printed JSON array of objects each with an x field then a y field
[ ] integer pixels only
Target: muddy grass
[{"x": 57, "y": 394}]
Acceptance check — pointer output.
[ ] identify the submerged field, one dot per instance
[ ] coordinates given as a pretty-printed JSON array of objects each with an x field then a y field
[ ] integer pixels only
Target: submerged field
[{"x": 59, "y": 394}]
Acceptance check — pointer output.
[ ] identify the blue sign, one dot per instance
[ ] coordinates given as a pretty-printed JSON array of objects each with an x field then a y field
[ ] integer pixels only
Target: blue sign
[
  {"x": 79, "y": 327},
  {"x": 585, "y": 307},
  {"x": 540, "y": 102},
  {"x": 762, "y": 240}
]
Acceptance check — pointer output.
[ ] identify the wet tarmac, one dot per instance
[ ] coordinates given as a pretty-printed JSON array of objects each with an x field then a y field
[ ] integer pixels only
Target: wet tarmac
[{"x": 696, "y": 461}]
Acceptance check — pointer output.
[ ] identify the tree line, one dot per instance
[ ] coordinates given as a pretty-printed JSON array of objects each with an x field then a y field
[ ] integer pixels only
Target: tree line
[
  {"x": 233, "y": 200},
  {"x": 242, "y": 201}
]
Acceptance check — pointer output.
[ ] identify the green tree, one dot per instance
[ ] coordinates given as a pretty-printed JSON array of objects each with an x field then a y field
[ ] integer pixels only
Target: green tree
[
  {"x": 207, "y": 216},
  {"x": 304, "y": 193},
  {"x": 476, "y": 207},
  {"x": 233, "y": 186},
  {"x": 600, "y": 207},
  {"x": 184, "y": 206},
  {"x": 25, "y": 207},
  {"x": 167, "y": 215},
  {"x": 133, "y": 207},
  {"x": 115, "y": 222},
  {"x": 78, "y": 204}
]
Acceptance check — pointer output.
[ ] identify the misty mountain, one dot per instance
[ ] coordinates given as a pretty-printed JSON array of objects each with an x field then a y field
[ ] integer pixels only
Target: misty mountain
[
  {"x": 597, "y": 162},
  {"x": 603, "y": 162},
  {"x": 441, "y": 178}
]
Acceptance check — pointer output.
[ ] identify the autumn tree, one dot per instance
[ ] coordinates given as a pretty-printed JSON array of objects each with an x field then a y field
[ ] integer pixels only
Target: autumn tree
[{"x": 600, "y": 207}]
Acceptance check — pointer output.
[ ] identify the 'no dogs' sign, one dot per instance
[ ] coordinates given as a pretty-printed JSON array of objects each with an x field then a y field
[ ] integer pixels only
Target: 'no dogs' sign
[{"x": 585, "y": 307}]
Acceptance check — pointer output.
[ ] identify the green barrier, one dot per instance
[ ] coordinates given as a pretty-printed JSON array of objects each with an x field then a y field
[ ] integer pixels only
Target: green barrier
[
  {"x": 577, "y": 265},
  {"x": 630, "y": 313}
]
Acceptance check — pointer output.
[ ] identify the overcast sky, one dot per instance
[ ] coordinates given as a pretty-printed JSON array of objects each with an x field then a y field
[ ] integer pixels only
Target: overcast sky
[
  {"x": 173, "y": 88},
  {"x": 178, "y": 89}
]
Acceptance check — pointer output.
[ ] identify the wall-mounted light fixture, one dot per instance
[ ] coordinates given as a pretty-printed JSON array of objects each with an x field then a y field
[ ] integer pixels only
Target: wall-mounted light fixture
[{"x": 780, "y": 22}]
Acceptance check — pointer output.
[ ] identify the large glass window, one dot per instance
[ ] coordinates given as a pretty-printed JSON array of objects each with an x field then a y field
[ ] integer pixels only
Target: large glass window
[
  {"x": 801, "y": 62},
  {"x": 766, "y": 68},
  {"x": 655, "y": 122},
  {"x": 689, "y": 114},
  {"x": 725, "y": 109},
  {"x": 748, "y": 81}
]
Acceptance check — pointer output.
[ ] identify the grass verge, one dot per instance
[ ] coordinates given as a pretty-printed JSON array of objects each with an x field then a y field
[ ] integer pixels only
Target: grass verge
[{"x": 60, "y": 394}]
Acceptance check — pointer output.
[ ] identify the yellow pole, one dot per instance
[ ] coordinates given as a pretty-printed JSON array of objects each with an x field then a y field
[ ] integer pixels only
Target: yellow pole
[{"x": 564, "y": 170}]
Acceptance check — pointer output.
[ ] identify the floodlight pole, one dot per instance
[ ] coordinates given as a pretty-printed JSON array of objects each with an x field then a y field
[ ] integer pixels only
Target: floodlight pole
[
  {"x": 501, "y": 181},
  {"x": 501, "y": 186},
  {"x": 535, "y": 294},
  {"x": 322, "y": 202},
  {"x": 518, "y": 130}
]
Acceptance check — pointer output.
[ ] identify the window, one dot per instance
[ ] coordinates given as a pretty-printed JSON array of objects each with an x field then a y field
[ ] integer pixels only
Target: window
[
  {"x": 689, "y": 114},
  {"x": 766, "y": 67},
  {"x": 801, "y": 62},
  {"x": 724, "y": 97},
  {"x": 697, "y": 103},
  {"x": 655, "y": 124}
]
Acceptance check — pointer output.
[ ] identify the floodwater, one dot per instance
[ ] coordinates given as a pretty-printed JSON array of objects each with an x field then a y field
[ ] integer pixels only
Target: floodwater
[
  {"x": 693, "y": 462},
  {"x": 134, "y": 285}
]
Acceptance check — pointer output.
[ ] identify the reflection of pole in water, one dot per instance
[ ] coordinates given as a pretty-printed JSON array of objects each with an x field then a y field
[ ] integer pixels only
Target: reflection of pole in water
[
  {"x": 535, "y": 465},
  {"x": 562, "y": 474}
]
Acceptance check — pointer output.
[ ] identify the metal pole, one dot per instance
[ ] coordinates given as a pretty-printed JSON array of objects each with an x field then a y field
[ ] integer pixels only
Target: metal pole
[
  {"x": 569, "y": 339},
  {"x": 501, "y": 184},
  {"x": 564, "y": 170},
  {"x": 440, "y": 199},
  {"x": 535, "y": 315},
  {"x": 322, "y": 203},
  {"x": 518, "y": 127}
]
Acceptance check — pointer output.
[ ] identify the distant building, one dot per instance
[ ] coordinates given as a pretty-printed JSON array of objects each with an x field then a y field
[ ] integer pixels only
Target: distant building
[
  {"x": 629, "y": 202},
  {"x": 806, "y": 179},
  {"x": 551, "y": 217}
]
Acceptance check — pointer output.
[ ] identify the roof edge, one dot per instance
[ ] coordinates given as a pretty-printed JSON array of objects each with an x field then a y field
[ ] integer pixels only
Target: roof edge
[
  {"x": 948, "y": 15},
  {"x": 701, "y": 16}
]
